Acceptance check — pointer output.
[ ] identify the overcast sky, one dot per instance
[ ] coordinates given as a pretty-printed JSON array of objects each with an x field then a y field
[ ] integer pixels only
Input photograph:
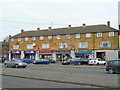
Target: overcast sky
[{"x": 31, "y": 14}]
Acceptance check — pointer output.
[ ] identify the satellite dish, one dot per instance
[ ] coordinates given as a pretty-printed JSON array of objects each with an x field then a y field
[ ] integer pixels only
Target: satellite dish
[{"x": 34, "y": 44}]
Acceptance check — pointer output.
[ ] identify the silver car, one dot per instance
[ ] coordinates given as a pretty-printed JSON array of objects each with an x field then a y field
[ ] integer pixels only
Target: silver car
[{"x": 14, "y": 63}]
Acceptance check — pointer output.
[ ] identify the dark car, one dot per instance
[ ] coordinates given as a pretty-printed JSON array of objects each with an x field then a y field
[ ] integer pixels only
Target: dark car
[
  {"x": 42, "y": 61},
  {"x": 27, "y": 60},
  {"x": 84, "y": 61},
  {"x": 74, "y": 61},
  {"x": 113, "y": 66}
]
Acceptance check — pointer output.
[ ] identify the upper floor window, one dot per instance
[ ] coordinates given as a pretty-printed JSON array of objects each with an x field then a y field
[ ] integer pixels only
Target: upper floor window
[
  {"x": 58, "y": 37},
  {"x": 33, "y": 38},
  {"x": 12, "y": 39},
  {"x": 26, "y": 38},
  {"x": 45, "y": 46},
  {"x": 77, "y": 35},
  {"x": 29, "y": 46},
  {"x": 111, "y": 34},
  {"x": 68, "y": 36},
  {"x": 63, "y": 45},
  {"x": 88, "y": 35},
  {"x": 19, "y": 39},
  {"x": 83, "y": 45},
  {"x": 105, "y": 44},
  {"x": 15, "y": 46},
  {"x": 49, "y": 37},
  {"x": 99, "y": 34},
  {"x": 41, "y": 37}
]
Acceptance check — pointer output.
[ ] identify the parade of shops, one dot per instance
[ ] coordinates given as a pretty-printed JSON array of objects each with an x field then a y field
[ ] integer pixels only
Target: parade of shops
[{"x": 95, "y": 41}]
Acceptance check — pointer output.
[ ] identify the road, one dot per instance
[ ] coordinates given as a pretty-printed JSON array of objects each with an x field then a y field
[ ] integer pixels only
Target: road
[
  {"x": 82, "y": 75},
  {"x": 15, "y": 82}
]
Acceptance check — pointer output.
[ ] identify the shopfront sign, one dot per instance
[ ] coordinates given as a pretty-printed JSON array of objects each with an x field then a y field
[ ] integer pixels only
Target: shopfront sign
[
  {"x": 15, "y": 52},
  {"x": 46, "y": 51},
  {"x": 29, "y": 52},
  {"x": 62, "y": 51}
]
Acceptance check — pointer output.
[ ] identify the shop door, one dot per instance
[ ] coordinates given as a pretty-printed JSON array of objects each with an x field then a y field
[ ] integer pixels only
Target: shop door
[{"x": 101, "y": 55}]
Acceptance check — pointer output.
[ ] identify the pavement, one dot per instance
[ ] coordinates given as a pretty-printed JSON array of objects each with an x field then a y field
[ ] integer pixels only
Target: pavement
[{"x": 79, "y": 79}]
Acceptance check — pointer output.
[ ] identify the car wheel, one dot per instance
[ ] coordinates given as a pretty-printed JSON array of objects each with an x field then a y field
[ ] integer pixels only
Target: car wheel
[
  {"x": 111, "y": 71},
  {"x": 97, "y": 63},
  {"x": 24, "y": 66},
  {"x": 6, "y": 65},
  {"x": 16, "y": 66}
]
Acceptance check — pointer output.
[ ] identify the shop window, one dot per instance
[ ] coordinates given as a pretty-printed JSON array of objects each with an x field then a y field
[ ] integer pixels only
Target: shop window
[
  {"x": 88, "y": 35},
  {"x": 15, "y": 46},
  {"x": 68, "y": 36},
  {"x": 63, "y": 45},
  {"x": 99, "y": 34},
  {"x": 58, "y": 37},
  {"x": 49, "y": 37},
  {"x": 77, "y": 35},
  {"x": 110, "y": 34},
  {"x": 105, "y": 44},
  {"x": 45, "y": 46},
  {"x": 41, "y": 37},
  {"x": 26, "y": 38},
  {"x": 29, "y": 46},
  {"x": 83, "y": 45},
  {"x": 19, "y": 39}
]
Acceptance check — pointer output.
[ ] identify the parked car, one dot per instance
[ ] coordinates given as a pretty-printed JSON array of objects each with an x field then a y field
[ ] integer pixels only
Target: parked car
[
  {"x": 14, "y": 63},
  {"x": 113, "y": 66},
  {"x": 97, "y": 61},
  {"x": 52, "y": 61},
  {"x": 74, "y": 61},
  {"x": 42, "y": 61},
  {"x": 84, "y": 61},
  {"x": 27, "y": 60}
]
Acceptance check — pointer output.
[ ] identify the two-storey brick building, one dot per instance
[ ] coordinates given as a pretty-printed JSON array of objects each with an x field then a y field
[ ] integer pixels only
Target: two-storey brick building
[{"x": 95, "y": 41}]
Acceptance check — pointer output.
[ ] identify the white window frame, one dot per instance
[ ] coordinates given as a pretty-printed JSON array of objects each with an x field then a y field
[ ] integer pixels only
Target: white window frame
[
  {"x": 111, "y": 34},
  {"x": 41, "y": 37},
  {"x": 45, "y": 46},
  {"x": 29, "y": 46},
  {"x": 26, "y": 38},
  {"x": 63, "y": 45},
  {"x": 88, "y": 35},
  {"x": 68, "y": 36},
  {"x": 102, "y": 46},
  {"x": 33, "y": 38},
  {"x": 83, "y": 45},
  {"x": 12, "y": 39},
  {"x": 19, "y": 39},
  {"x": 77, "y": 35},
  {"x": 99, "y": 34},
  {"x": 16, "y": 46},
  {"x": 49, "y": 37},
  {"x": 58, "y": 37}
]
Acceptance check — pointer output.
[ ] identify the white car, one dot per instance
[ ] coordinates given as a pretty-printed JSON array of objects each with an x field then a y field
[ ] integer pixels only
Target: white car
[{"x": 97, "y": 61}]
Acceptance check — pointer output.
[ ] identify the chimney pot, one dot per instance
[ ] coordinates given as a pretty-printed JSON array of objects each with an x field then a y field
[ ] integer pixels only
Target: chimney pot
[
  {"x": 108, "y": 23},
  {"x": 84, "y": 24},
  {"x": 38, "y": 28},
  {"x": 22, "y": 30},
  {"x": 69, "y": 26},
  {"x": 49, "y": 28}
]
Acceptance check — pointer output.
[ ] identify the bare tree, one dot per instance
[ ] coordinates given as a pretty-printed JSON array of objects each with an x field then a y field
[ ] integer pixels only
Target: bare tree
[{"x": 6, "y": 39}]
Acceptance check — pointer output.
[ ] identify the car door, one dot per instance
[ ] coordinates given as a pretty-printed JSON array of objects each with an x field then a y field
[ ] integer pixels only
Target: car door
[{"x": 119, "y": 66}]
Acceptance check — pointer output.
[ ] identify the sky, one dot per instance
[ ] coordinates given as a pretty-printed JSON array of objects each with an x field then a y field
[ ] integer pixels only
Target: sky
[{"x": 31, "y": 14}]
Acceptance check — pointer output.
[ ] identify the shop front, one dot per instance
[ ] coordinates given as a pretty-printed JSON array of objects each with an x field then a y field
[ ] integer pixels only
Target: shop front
[
  {"x": 29, "y": 54},
  {"x": 83, "y": 53},
  {"x": 45, "y": 54},
  {"x": 14, "y": 54},
  {"x": 62, "y": 55}
]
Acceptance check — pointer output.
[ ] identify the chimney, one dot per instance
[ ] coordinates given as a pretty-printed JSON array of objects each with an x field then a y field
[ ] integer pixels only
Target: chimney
[
  {"x": 84, "y": 24},
  {"x": 49, "y": 28},
  {"x": 69, "y": 26},
  {"x": 22, "y": 30},
  {"x": 38, "y": 28},
  {"x": 108, "y": 23}
]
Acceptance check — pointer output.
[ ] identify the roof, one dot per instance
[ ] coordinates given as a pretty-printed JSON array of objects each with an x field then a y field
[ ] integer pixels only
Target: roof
[{"x": 68, "y": 30}]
